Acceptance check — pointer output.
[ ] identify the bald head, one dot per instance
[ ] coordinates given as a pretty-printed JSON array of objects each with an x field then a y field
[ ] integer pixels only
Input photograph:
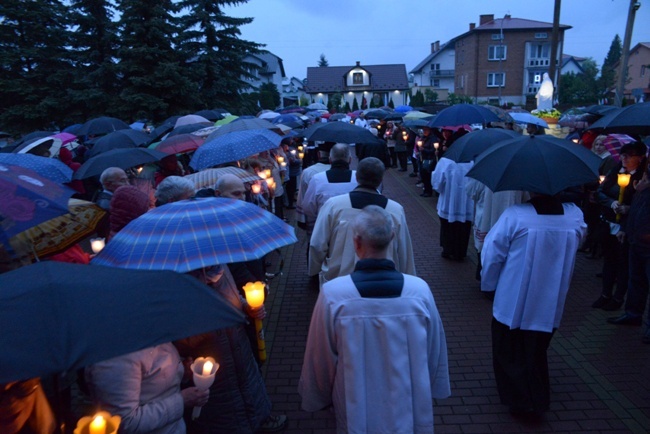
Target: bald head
[{"x": 230, "y": 186}]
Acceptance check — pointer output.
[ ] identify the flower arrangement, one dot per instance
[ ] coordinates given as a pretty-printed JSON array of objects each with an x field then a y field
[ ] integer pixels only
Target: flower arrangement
[{"x": 547, "y": 114}]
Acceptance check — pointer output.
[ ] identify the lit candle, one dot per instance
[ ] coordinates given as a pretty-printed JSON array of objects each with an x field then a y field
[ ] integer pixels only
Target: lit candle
[
  {"x": 280, "y": 159},
  {"x": 270, "y": 182},
  {"x": 98, "y": 425},
  {"x": 293, "y": 152},
  {"x": 97, "y": 244},
  {"x": 207, "y": 368},
  {"x": 301, "y": 155},
  {"x": 623, "y": 180},
  {"x": 420, "y": 143},
  {"x": 575, "y": 141},
  {"x": 405, "y": 135},
  {"x": 601, "y": 178},
  {"x": 283, "y": 164},
  {"x": 300, "y": 148},
  {"x": 255, "y": 297},
  {"x": 256, "y": 188},
  {"x": 267, "y": 172},
  {"x": 436, "y": 145},
  {"x": 254, "y": 294},
  {"x": 262, "y": 174}
]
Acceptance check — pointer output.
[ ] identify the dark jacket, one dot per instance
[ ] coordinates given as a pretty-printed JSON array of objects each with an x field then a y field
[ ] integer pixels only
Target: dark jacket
[{"x": 637, "y": 224}]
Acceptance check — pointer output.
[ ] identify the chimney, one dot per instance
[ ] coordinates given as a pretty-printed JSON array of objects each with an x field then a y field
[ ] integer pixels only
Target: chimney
[
  {"x": 507, "y": 17},
  {"x": 437, "y": 43},
  {"x": 485, "y": 19},
  {"x": 358, "y": 63},
  {"x": 472, "y": 26},
  {"x": 435, "y": 46}
]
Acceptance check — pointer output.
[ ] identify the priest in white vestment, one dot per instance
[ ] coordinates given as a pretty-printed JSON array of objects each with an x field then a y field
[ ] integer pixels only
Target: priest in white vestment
[{"x": 376, "y": 348}]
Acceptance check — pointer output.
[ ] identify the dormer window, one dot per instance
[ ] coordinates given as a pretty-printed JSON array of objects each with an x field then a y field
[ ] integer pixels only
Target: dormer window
[{"x": 357, "y": 78}]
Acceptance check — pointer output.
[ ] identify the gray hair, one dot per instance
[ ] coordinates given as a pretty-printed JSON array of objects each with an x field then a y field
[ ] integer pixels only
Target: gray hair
[
  {"x": 375, "y": 227},
  {"x": 340, "y": 152},
  {"x": 109, "y": 174},
  {"x": 370, "y": 172},
  {"x": 174, "y": 188}
]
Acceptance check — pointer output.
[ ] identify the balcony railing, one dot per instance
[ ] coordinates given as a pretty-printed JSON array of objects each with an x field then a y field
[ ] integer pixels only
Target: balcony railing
[{"x": 437, "y": 73}]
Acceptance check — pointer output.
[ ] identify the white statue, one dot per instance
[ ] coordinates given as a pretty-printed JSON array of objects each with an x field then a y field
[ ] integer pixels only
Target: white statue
[{"x": 545, "y": 94}]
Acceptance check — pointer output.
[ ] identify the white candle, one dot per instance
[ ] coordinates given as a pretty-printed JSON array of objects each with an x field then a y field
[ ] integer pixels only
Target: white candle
[
  {"x": 97, "y": 426},
  {"x": 293, "y": 152},
  {"x": 255, "y": 188},
  {"x": 97, "y": 244},
  {"x": 207, "y": 368},
  {"x": 254, "y": 294},
  {"x": 280, "y": 159},
  {"x": 301, "y": 155},
  {"x": 436, "y": 145}
]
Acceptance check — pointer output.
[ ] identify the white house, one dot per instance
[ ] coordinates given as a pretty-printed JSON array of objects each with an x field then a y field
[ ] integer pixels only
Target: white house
[
  {"x": 436, "y": 71},
  {"x": 270, "y": 70}
]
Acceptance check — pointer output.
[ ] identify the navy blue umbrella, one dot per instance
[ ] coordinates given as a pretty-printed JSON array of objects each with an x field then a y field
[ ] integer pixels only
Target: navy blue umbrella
[
  {"x": 101, "y": 125},
  {"x": 124, "y": 158},
  {"x": 233, "y": 147},
  {"x": 118, "y": 139},
  {"x": 633, "y": 119},
  {"x": 240, "y": 124},
  {"x": 341, "y": 132},
  {"x": 49, "y": 168},
  {"x": 57, "y": 317},
  {"x": 469, "y": 146},
  {"x": 461, "y": 114},
  {"x": 540, "y": 164}
]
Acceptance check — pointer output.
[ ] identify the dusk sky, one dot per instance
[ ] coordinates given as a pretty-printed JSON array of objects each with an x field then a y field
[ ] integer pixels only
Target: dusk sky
[{"x": 392, "y": 31}]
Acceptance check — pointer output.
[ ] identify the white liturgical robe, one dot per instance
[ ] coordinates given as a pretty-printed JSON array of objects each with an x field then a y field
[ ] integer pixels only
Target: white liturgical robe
[
  {"x": 320, "y": 190},
  {"x": 449, "y": 180},
  {"x": 331, "y": 248},
  {"x": 528, "y": 258},
  {"x": 379, "y": 361}
]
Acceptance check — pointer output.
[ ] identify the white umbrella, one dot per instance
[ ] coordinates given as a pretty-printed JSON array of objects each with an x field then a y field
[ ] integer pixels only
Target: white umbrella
[
  {"x": 527, "y": 118},
  {"x": 269, "y": 115}
]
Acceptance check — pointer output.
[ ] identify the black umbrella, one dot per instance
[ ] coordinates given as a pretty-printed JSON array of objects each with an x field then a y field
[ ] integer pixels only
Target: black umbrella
[
  {"x": 341, "y": 132},
  {"x": 633, "y": 119},
  {"x": 540, "y": 164},
  {"x": 160, "y": 131},
  {"x": 601, "y": 110},
  {"x": 124, "y": 158},
  {"x": 128, "y": 138},
  {"x": 186, "y": 129},
  {"x": 337, "y": 117},
  {"x": 211, "y": 115},
  {"x": 29, "y": 138},
  {"x": 461, "y": 114},
  {"x": 102, "y": 125},
  {"x": 378, "y": 114},
  {"x": 469, "y": 146},
  {"x": 415, "y": 123},
  {"x": 57, "y": 317}
]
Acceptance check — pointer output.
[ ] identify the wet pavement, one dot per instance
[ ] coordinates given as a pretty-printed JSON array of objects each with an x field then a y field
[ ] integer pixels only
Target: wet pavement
[{"x": 600, "y": 373}]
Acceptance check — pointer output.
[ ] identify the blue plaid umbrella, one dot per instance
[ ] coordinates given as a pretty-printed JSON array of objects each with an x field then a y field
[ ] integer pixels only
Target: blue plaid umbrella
[
  {"x": 196, "y": 233},
  {"x": 234, "y": 146},
  {"x": 49, "y": 168}
]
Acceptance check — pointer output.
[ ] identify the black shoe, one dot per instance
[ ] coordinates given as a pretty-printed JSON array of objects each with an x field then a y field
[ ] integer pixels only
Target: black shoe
[
  {"x": 625, "y": 319},
  {"x": 612, "y": 304},
  {"x": 602, "y": 301},
  {"x": 426, "y": 195},
  {"x": 413, "y": 175}
]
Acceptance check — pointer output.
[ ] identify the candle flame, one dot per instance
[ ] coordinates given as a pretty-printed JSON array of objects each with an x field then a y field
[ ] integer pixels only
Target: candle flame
[{"x": 207, "y": 368}]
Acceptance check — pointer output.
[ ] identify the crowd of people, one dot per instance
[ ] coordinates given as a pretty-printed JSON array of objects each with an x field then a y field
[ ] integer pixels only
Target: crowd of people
[{"x": 376, "y": 336}]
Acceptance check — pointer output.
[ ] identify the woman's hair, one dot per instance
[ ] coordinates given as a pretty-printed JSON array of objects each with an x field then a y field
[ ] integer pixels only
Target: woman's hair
[{"x": 174, "y": 188}]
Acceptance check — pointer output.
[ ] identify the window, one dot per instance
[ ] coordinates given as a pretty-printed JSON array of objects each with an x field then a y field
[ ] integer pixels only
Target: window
[
  {"x": 497, "y": 36},
  {"x": 435, "y": 82},
  {"x": 357, "y": 78},
  {"x": 497, "y": 52},
  {"x": 643, "y": 67},
  {"x": 461, "y": 81},
  {"x": 541, "y": 35},
  {"x": 435, "y": 67},
  {"x": 496, "y": 79},
  {"x": 540, "y": 51}
]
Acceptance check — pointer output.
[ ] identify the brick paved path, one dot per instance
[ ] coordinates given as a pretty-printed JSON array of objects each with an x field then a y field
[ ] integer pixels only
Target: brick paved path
[{"x": 600, "y": 373}]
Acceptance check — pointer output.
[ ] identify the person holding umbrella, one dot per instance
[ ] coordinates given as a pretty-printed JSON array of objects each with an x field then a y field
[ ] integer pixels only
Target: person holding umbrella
[{"x": 428, "y": 159}]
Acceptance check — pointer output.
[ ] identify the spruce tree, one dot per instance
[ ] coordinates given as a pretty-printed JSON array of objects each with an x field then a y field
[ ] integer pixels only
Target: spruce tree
[
  {"x": 153, "y": 76},
  {"x": 355, "y": 104},
  {"x": 608, "y": 74},
  {"x": 36, "y": 70},
  {"x": 212, "y": 41},
  {"x": 94, "y": 45},
  {"x": 322, "y": 61}
]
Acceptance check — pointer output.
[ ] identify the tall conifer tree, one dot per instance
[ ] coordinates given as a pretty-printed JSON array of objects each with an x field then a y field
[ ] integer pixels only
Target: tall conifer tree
[{"x": 607, "y": 72}]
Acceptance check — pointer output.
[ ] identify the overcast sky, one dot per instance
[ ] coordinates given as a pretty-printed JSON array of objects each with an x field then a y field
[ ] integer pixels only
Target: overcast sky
[{"x": 401, "y": 31}]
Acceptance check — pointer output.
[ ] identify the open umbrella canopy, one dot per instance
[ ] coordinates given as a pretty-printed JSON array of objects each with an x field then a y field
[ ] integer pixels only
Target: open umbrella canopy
[
  {"x": 196, "y": 233},
  {"x": 225, "y": 121},
  {"x": 187, "y": 129},
  {"x": 241, "y": 125},
  {"x": 337, "y": 116},
  {"x": 101, "y": 125},
  {"x": 44, "y": 146},
  {"x": 49, "y": 168},
  {"x": 268, "y": 115},
  {"x": 291, "y": 120},
  {"x": 633, "y": 119},
  {"x": 211, "y": 115},
  {"x": 56, "y": 235},
  {"x": 341, "y": 132},
  {"x": 117, "y": 140},
  {"x": 179, "y": 144},
  {"x": 614, "y": 143},
  {"x": 208, "y": 177},
  {"x": 189, "y": 120},
  {"x": 527, "y": 118},
  {"x": 28, "y": 138},
  {"x": 541, "y": 164},
  {"x": 124, "y": 158},
  {"x": 503, "y": 115},
  {"x": 27, "y": 199},
  {"x": 57, "y": 317},
  {"x": 460, "y": 114},
  {"x": 469, "y": 146},
  {"x": 316, "y": 106},
  {"x": 601, "y": 110},
  {"x": 233, "y": 146},
  {"x": 403, "y": 108},
  {"x": 377, "y": 114},
  {"x": 415, "y": 114}
]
